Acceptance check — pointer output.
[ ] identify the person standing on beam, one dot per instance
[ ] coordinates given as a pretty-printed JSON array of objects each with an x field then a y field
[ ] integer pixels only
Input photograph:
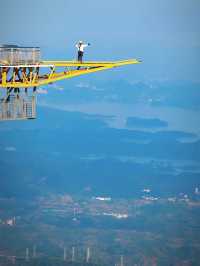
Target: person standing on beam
[{"x": 80, "y": 46}]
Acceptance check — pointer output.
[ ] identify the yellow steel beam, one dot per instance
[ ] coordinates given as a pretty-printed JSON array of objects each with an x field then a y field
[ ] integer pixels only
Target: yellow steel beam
[
  {"x": 89, "y": 64},
  {"x": 53, "y": 76},
  {"x": 3, "y": 79}
]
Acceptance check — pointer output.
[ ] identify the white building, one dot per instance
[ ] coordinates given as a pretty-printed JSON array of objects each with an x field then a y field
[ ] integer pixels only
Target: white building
[{"x": 103, "y": 198}]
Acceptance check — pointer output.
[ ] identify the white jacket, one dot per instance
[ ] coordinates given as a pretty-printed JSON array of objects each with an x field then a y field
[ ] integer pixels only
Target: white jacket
[{"x": 81, "y": 47}]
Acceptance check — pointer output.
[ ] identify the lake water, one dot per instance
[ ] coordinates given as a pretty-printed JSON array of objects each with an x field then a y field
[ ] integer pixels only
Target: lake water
[{"x": 177, "y": 118}]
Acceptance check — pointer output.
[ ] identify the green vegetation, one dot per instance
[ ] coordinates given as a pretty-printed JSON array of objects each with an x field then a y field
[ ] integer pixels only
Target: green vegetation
[{"x": 162, "y": 232}]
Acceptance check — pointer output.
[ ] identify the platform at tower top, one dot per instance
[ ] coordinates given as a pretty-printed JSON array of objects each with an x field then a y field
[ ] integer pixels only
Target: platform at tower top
[{"x": 15, "y": 55}]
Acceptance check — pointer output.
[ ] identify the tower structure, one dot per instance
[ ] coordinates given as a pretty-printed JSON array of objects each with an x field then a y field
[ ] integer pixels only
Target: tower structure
[
  {"x": 34, "y": 251},
  {"x": 121, "y": 260},
  {"x": 64, "y": 254},
  {"x": 88, "y": 255},
  {"x": 27, "y": 254},
  {"x": 73, "y": 253},
  {"x": 22, "y": 70}
]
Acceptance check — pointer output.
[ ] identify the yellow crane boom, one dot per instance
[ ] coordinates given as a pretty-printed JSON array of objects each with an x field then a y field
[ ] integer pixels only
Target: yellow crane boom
[
  {"x": 45, "y": 72},
  {"x": 22, "y": 70}
]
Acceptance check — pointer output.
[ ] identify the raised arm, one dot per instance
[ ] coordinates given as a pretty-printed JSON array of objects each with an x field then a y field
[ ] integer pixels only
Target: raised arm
[{"x": 86, "y": 44}]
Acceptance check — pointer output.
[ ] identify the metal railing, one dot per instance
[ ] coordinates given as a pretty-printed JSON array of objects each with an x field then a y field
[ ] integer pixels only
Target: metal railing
[{"x": 19, "y": 55}]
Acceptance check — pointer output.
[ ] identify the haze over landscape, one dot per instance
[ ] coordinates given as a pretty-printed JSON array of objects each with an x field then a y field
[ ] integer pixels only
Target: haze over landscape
[{"x": 112, "y": 161}]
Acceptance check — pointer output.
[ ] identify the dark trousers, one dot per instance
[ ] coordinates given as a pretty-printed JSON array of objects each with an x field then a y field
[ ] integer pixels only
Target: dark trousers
[{"x": 80, "y": 58}]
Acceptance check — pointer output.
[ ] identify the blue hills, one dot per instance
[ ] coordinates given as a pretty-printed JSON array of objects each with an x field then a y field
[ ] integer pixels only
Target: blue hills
[
  {"x": 181, "y": 94},
  {"x": 72, "y": 152}
]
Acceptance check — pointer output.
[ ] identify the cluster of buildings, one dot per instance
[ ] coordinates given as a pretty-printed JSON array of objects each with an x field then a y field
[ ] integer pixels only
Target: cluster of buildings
[
  {"x": 116, "y": 215},
  {"x": 9, "y": 222},
  {"x": 103, "y": 198}
]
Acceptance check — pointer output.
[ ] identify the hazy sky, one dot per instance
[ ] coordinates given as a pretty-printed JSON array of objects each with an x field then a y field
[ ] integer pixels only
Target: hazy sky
[{"x": 164, "y": 34}]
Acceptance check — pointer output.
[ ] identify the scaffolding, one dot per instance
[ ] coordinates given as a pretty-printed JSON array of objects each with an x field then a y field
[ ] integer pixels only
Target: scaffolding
[{"x": 18, "y": 106}]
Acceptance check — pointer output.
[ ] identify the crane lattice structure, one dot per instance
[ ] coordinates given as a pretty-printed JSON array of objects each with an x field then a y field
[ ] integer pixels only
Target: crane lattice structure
[{"x": 21, "y": 70}]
